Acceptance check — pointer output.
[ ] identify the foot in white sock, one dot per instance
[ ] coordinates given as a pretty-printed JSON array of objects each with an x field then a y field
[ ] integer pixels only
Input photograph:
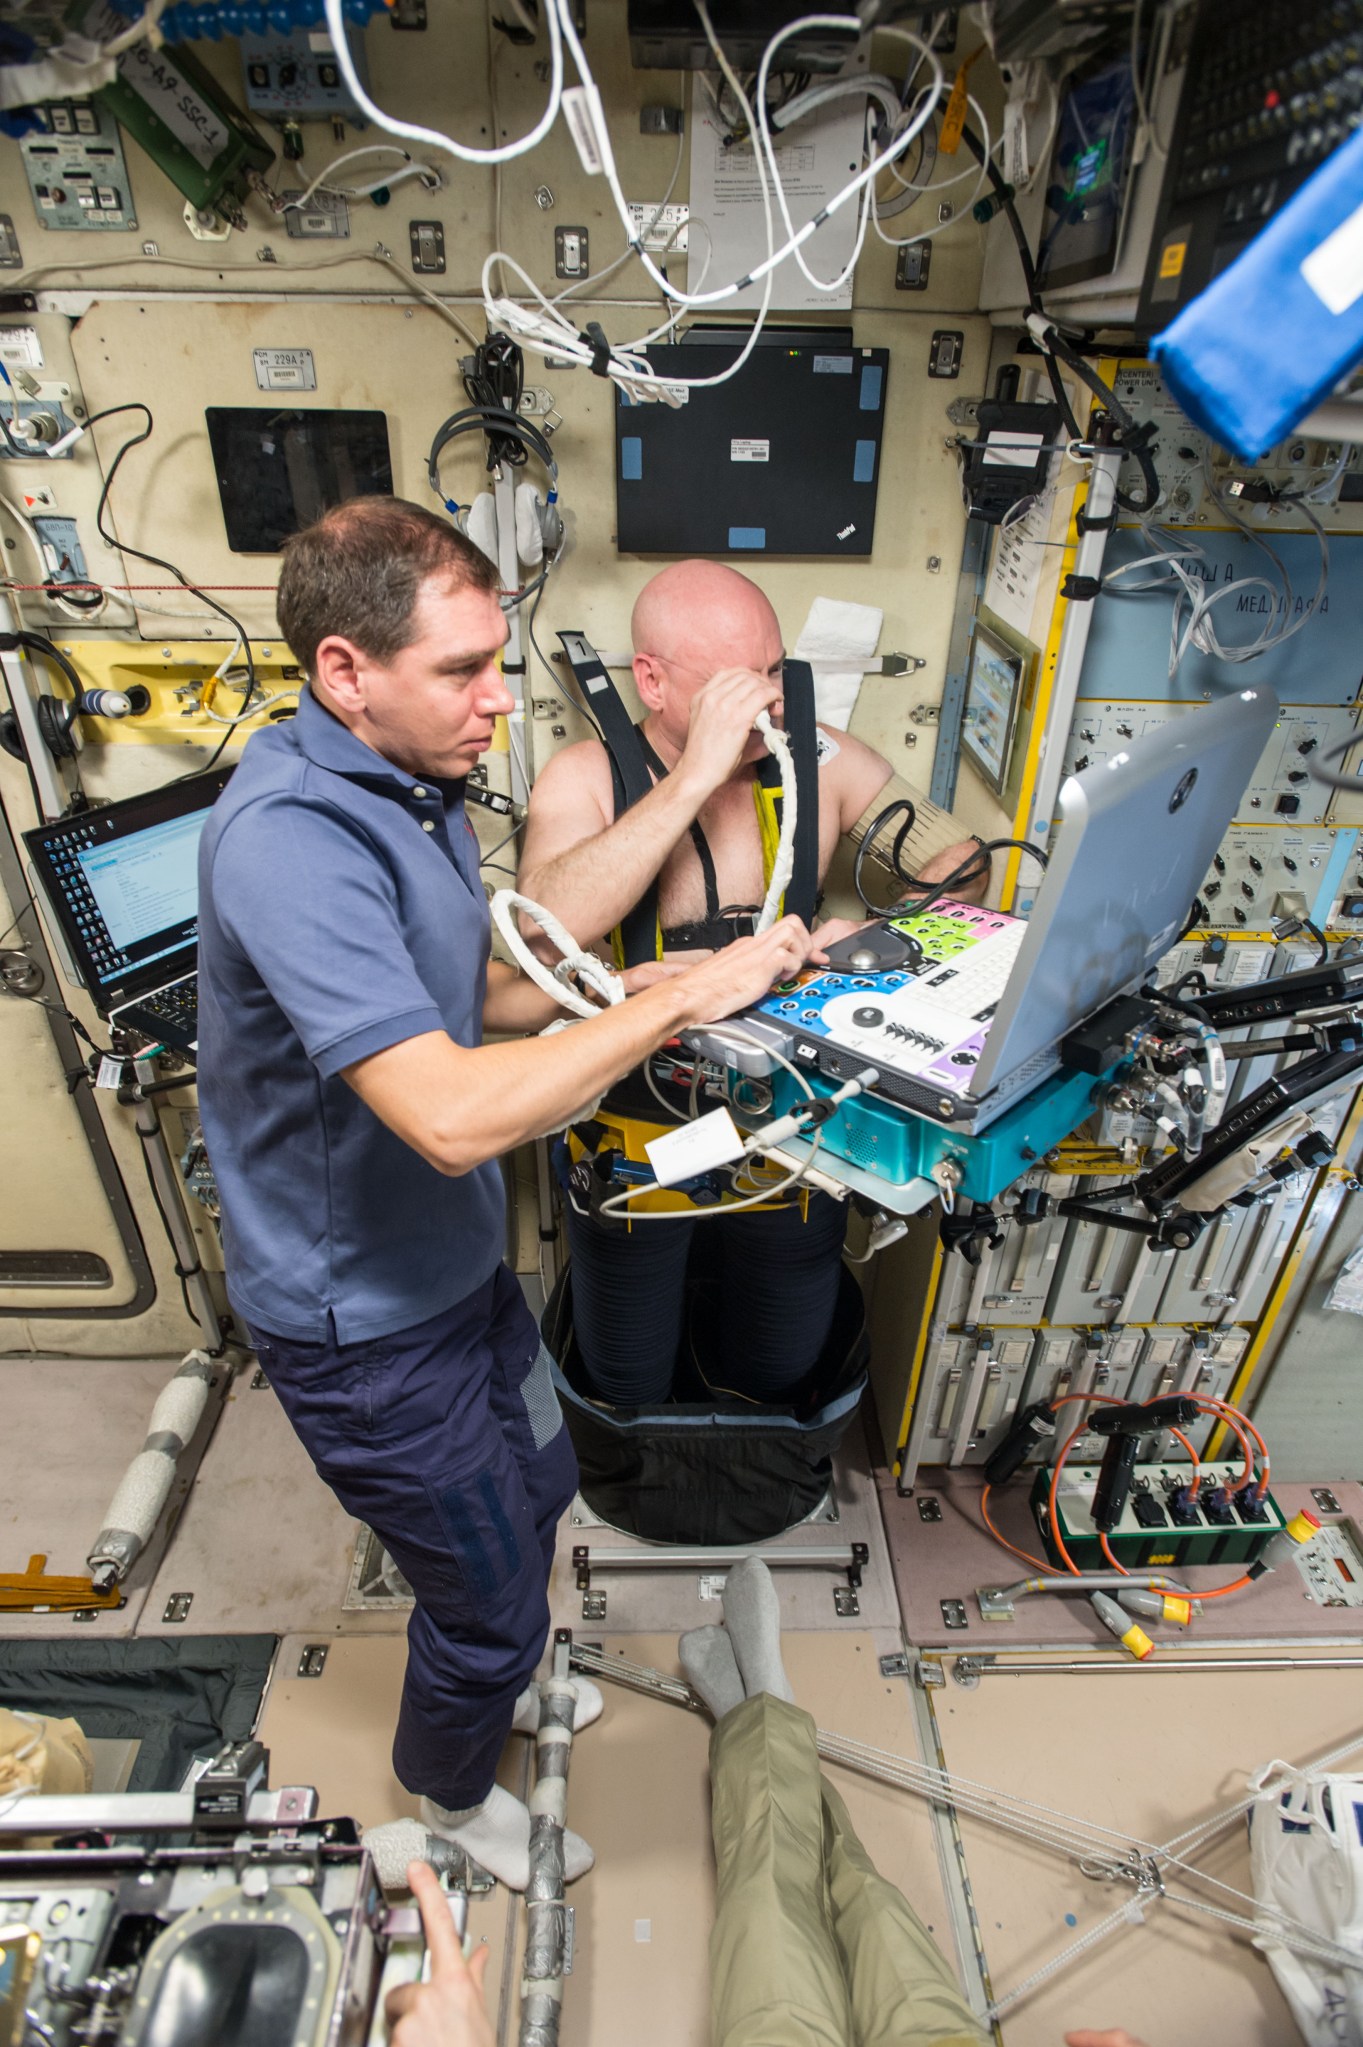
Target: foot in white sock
[
  {"x": 707, "y": 1657},
  {"x": 752, "y": 1615},
  {"x": 590, "y": 1706},
  {"x": 497, "y": 1834}
]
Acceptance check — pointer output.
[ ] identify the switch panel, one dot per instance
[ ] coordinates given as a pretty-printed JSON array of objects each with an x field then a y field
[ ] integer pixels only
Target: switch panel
[
  {"x": 971, "y": 1388},
  {"x": 75, "y": 168},
  {"x": 297, "y": 78},
  {"x": 1256, "y": 864},
  {"x": 1282, "y": 788},
  {"x": 1189, "y": 462}
]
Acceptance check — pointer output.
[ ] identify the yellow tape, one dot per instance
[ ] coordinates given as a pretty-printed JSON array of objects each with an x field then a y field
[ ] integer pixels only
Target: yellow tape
[{"x": 953, "y": 120}]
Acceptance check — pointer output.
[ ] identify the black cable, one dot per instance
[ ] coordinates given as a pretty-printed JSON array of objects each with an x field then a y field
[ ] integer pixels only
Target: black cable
[
  {"x": 973, "y": 868},
  {"x": 577, "y": 703},
  {"x": 184, "y": 1273},
  {"x": 494, "y": 377},
  {"x": 157, "y": 561}
]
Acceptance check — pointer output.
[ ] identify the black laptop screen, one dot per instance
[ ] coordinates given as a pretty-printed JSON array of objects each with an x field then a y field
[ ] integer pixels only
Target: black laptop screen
[{"x": 123, "y": 882}]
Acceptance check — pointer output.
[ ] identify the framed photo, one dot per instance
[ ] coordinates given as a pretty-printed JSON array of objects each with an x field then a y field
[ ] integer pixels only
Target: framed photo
[{"x": 992, "y": 692}]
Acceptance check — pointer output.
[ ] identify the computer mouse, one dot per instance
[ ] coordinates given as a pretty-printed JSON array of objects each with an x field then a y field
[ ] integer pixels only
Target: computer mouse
[{"x": 864, "y": 960}]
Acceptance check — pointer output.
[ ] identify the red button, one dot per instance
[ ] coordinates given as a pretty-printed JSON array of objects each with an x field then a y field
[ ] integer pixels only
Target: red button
[{"x": 1272, "y": 100}]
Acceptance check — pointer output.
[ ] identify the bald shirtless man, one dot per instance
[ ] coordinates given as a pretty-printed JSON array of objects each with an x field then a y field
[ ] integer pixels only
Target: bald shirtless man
[{"x": 708, "y": 657}]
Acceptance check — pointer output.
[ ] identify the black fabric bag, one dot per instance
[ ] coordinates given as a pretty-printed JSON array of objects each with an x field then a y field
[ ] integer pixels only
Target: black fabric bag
[{"x": 709, "y": 1469}]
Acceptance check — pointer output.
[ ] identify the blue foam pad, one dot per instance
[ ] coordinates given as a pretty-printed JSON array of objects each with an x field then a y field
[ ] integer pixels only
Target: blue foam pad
[{"x": 1274, "y": 333}]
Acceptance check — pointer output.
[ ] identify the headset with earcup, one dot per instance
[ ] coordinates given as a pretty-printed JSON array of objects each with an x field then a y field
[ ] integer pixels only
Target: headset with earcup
[{"x": 539, "y": 524}]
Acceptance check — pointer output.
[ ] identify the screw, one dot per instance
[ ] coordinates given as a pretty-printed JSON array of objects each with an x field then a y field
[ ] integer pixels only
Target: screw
[
  {"x": 9, "y": 543},
  {"x": 544, "y": 198},
  {"x": 934, "y": 564},
  {"x": 945, "y": 211},
  {"x": 78, "y": 411}
]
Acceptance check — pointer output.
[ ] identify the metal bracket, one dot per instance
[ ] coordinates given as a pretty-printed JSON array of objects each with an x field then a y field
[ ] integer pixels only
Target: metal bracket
[
  {"x": 177, "y": 1608},
  {"x": 954, "y": 1614},
  {"x": 593, "y": 1606},
  {"x": 845, "y": 1603},
  {"x": 928, "y": 1674},
  {"x": 1325, "y": 1500},
  {"x": 968, "y": 1670},
  {"x": 260, "y": 1384},
  {"x": 994, "y": 1604},
  {"x": 894, "y": 1666},
  {"x": 929, "y": 1507},
  {"x": 964, "y": 411},
  {"x": 313, "y": 1661}
]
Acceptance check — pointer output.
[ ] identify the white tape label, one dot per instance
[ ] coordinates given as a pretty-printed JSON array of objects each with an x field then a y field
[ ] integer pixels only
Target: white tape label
[
  {"x": 1334, "y": 271},
  {"x": 750, "y": 451},
  {"x": 694, "y": 1148}
]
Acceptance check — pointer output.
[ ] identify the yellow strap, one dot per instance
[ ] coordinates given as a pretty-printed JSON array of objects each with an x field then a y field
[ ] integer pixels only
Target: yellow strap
[{"x": 953, "y": 121}]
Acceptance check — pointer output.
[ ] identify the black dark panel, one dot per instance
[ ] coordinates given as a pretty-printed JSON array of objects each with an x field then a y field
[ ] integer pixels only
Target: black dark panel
[{"x": 279, "y": 468}]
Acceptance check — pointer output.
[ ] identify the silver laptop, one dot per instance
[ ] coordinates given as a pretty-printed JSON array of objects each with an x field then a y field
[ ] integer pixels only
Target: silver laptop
[{"x": 980, "y": 1018}]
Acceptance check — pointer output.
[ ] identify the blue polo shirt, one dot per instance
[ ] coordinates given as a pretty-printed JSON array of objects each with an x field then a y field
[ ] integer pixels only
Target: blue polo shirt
[{"x": 340, "y": 912}]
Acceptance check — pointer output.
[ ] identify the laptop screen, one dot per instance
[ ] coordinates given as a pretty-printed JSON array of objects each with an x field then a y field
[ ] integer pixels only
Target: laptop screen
[{"x": 123, "y": 883}]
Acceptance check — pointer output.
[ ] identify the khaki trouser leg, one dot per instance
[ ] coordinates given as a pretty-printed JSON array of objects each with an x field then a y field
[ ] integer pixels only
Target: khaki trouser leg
[
  {"x": 901, "y": 1987},
  {"x": 775, "y": 1975}
]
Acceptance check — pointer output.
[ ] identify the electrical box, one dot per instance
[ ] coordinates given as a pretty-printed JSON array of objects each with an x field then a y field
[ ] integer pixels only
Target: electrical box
[
  {"x": 783, "y": 459},
  {"x": 1157, "y": 1530},
  {"x": 296, "y": 77},
  {"x": 187, "y": 125}
]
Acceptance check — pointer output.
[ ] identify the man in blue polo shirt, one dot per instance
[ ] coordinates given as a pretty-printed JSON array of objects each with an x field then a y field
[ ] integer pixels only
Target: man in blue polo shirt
[{"x": 354, "y": 1115}]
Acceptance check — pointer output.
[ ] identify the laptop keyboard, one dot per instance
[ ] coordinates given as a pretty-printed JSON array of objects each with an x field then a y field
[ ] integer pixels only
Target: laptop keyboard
[
  {"x": 174, "y": 1010},
  {"x": 975, "y": 985}
]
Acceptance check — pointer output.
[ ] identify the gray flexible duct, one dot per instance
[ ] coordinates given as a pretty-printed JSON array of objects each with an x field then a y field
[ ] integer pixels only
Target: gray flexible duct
[
  {"x": 545, "y": 1910},
  {"x": 145, "y": 1486}
]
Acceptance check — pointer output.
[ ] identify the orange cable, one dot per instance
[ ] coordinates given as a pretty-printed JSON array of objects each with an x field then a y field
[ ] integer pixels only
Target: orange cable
[{"x": 1039, "y": 1563}]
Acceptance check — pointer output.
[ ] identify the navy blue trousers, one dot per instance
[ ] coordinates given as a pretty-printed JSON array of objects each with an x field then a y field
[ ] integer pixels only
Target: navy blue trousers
[
  {"x": 777, "y": 1277},
  {"x": 448, "y": 1441}
]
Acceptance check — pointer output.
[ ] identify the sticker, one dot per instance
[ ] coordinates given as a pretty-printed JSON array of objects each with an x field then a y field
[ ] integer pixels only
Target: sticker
[
  {"x": 864, "y": 462},
  {"x": 284, "y": 369},
  {"x": 1011, "y": 450},
  {"x": 1172, "y": 260},
  {"x": 667, "y": 226},
  {"x": 21, "y": 345},
  {"x": 832, "y": 365},
  {"x": 175, "y": 103},
  {"x": 631, "y": 458},
  {"x": 750, "y": 451},
  {"x": 827, "y": 748},
  {"x": 747, "y": 536},
  {"x": 582, "y": 106},
  {"x": 1334, "y": 271},
  {"x": 110, "y": 1073},
  {"x": 872, "y": 380}
]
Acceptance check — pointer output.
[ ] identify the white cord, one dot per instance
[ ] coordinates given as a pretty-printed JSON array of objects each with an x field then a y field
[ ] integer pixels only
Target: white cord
[
  {"x": 506, "y": 905},
  {"x": 430, "y": 177},
  {"x": 783, "y": 865},
  {"x": 245, "y": 716},
  {"x": 431, "y": 138},
  {"x": 144, "y": 28},
  {"x": 940, "y": 185}
]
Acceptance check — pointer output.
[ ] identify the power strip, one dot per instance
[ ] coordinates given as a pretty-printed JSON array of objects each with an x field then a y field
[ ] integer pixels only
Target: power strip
[{"x": 1156, "y": 1529}]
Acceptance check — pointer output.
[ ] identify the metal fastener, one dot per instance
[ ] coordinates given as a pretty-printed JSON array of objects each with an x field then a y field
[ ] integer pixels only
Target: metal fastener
[{"x": 544, "y": 198}]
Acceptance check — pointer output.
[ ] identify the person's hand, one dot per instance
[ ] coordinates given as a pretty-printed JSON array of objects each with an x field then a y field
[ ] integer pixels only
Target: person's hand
[
  {"x": 722, "y": 716},
  {"x": 1115, "y": 2038},
  {"x": 831, "y": 931},
  {"x": 943, "y": 864},
  {"x": 450, "y": 2010},
  {"x": 650, "y": 973},
  {"x": 742, "y": 973}
]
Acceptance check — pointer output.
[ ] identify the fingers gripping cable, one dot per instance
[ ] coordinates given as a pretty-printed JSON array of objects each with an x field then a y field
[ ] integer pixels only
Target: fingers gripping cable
[{"x": 555, "y": 981}]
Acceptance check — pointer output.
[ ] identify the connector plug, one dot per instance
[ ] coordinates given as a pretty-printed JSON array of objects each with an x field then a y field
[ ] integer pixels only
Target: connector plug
[
  {"x": 1215, "y": 1503},
  {"x": 1132, "y": 1638},
  {"x": 1249, "y": 1503},
  {"x": 1300, "y": 1530},
  {"x": 1183, "y": 1508},
  {"x": 1156, "y": 1606}
]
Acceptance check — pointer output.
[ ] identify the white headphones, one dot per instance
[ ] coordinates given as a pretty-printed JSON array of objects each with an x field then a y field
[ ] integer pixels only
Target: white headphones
[{"x": 539, "y": 523}]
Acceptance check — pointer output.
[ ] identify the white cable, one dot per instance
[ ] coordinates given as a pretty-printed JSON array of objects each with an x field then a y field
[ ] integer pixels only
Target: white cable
[
  {"x": 783, "y": 865},
  {"x": 144, "y": 28},
  {"x": 252, "y": 710},
  {"x": 552, "y": 334},
  {"x": 348, "y": 156},
  {"x": 431, "y": 138},
  {"x": 959, "y": 213},
  {"x": 506, "y": 905}
]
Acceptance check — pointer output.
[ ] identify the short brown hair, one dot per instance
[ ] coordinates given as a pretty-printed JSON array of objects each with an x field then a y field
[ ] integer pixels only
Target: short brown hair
[{"x": 359, "y": 570}]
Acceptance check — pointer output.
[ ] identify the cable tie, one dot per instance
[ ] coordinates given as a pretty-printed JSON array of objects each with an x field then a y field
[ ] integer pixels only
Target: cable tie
[
  {"x": 594, "y": 337},
  {"x": 1081, "y": 589},
  {"x": 1085, "y": 524}
]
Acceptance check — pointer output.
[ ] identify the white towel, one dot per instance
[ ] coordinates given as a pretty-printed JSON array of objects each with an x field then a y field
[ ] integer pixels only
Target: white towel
[{"x": 838, "y": 640}]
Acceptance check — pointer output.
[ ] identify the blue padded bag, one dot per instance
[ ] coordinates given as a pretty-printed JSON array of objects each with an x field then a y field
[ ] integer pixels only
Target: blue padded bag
[{"x": 1275, "y": 332}]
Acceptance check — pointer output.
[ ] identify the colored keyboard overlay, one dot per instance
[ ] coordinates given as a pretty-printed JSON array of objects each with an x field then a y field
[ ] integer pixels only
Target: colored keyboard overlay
[{"x": 930, "y": 1023}]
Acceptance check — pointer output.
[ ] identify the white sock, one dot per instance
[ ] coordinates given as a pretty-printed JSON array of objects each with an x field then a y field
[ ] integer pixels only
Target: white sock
[
  {"x": 497, "y": 1834},
  {"x": 590, "y": 1706}
]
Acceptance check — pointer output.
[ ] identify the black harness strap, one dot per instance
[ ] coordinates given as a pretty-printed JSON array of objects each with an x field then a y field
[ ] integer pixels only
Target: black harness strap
[
  {"x": 630, "y": 778},
  {"x": 698, "y": 838},
  {"x": 802, "y": 896}
]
